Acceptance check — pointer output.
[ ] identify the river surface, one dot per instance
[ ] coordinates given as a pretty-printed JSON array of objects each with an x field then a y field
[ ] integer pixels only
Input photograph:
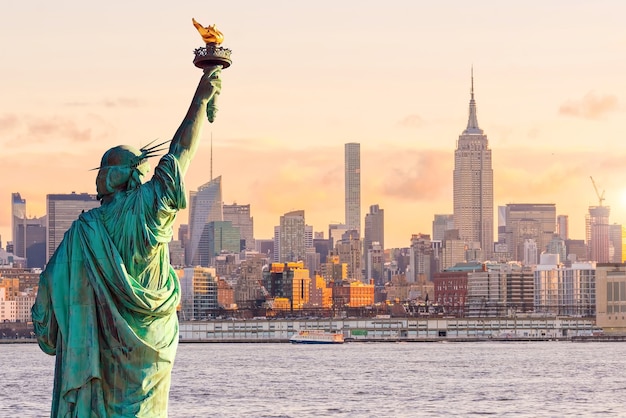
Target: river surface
[{"x": 531, "y": 379}]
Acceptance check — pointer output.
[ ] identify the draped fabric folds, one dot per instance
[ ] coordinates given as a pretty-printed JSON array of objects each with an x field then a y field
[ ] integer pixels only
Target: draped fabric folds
[{"x": 106, "y": 305}]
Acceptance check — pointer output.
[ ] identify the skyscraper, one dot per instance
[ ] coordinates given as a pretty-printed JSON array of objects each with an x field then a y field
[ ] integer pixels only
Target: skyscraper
[
  {"x": 353, "y": 186},
  {"x": 473, "y": 185},
  {"x": 562, "y": 226},
  {"x": 63, "y": 209},
  {"x": 29, "y": 234},
  {"x": 529, "y": 221},
  {"x": 240, "y": 217},
  {"x": 374, "y": 233},
  {"x": 374, "y": 228},
  {"x": 597, "y": 231},
  {"x": 205, "y": 206},
  {"x": 441, "y": 224},
  {"x": 290, "y": 237},
  {"x": 18, "y": 212}
]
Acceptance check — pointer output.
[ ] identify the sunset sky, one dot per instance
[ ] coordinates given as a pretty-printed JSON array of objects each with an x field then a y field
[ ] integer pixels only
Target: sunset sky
[{"x": 550, "y": 84}]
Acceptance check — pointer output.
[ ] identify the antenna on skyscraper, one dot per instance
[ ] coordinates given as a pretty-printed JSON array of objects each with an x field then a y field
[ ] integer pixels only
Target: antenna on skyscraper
[
  {"x": 211, "y": 162},
  {"x": 472, "y": 92}
]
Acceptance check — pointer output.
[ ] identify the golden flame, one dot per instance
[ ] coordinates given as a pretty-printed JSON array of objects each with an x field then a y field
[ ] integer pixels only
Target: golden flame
[{"x": 210, "y": 34}]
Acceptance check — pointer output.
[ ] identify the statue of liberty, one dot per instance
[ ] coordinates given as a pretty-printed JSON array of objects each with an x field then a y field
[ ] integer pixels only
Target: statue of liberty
[{"x": 107, "y": 299}]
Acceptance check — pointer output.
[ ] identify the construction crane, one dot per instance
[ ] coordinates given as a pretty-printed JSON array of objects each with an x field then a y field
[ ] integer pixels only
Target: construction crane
[{"x": 600, "y": 196}]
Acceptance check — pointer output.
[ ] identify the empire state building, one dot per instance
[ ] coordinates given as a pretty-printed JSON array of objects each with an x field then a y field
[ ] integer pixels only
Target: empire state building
[{"x": 473, "y": 185}]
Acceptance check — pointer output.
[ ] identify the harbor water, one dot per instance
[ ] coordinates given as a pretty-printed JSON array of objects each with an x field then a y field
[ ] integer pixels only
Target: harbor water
[{"x": 527, "y": 379}]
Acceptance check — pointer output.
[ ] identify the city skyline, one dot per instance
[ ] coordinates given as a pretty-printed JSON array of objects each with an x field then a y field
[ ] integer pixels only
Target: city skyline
[{"x": 548, "y": 80}]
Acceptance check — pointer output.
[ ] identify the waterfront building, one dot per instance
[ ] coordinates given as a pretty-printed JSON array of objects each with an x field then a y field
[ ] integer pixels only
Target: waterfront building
[
  {"x": 352, "y": 168},
  {"x": 239, "y": 216},
  {"x": 597, "y": 233},
  {"x": 486, "y": 293},
  {"x": 225, "y": 295},
  {"x": 451, "y": 290},
  {"x": 354, "y": 294},
  {"x": 529, "y": 221},
  {"x": 561, "y": 290},
  {"x": 473, "y": 185},
  {"x": 205, "y": 206},
  {"x": 290, "y": 281},
  {"x": 198, "y": 286},
  {"x": 611, "y": 297},
  {"x": 520, "y": 287},
  {"x": 15, "y": 304},
  {"x": 62, "y": 211},
  {"x": 320, "y": 295}
]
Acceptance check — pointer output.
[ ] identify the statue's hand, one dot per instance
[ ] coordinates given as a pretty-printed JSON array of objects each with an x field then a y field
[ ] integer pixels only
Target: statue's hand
[{"x": 211, "y": 84}]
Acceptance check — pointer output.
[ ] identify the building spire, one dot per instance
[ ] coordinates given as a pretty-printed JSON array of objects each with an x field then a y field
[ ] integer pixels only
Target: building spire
[
  {"x": 211, "y": 162},
  {"x": 472, "y": 122}
]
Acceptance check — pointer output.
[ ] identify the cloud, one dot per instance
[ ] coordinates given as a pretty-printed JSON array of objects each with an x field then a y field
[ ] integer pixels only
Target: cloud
[
  {"x": 57, "y": 127},
  {"x": 21, "y": 132},
  {"x": 414, "y": 175},
  {"x": 590, "y": 106},
  {"x": 411, "y": 121},
  {"x": 8, "y": 123},
  {"x": 122, "y": 102}
]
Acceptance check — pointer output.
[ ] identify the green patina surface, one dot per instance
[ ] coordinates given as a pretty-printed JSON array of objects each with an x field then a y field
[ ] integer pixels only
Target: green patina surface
[{"x": 106, "y": 305}]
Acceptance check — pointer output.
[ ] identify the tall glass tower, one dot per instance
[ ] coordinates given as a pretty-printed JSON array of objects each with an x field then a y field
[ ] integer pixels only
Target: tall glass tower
[
  {"x": 205, "y": 206},
  {"x": 353, "y": 186},
  {"x": 473, "y": 185}
]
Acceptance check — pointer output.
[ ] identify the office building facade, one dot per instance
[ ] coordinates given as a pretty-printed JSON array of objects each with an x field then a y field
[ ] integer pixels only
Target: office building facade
[
  {"x": 62, "y": 211},
  {"x": 239, "y": 216}
]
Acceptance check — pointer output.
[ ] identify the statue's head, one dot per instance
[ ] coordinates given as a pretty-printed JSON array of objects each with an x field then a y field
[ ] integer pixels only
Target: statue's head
[{"x": 121, "y": 168}]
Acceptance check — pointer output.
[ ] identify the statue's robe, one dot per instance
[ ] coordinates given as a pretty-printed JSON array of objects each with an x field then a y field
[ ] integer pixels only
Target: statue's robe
[{"x": 106, "y": 305}]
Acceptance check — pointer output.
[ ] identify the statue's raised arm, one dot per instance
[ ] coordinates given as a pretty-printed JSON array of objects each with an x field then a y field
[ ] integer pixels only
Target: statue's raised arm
[{"x": 185, "y": 140}]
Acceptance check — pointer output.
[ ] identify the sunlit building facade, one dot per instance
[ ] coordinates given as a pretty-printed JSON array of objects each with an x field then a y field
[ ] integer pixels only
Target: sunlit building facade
[{"x": 473, "y": 185}]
